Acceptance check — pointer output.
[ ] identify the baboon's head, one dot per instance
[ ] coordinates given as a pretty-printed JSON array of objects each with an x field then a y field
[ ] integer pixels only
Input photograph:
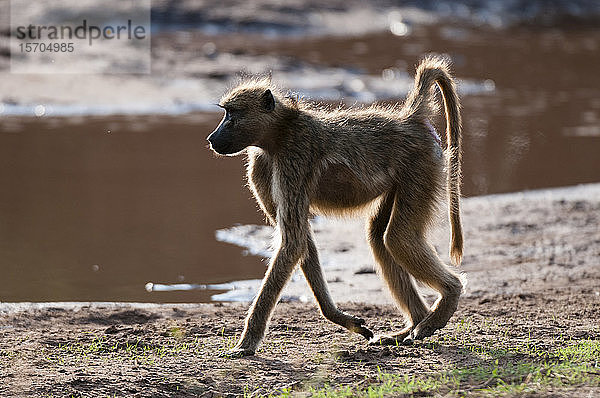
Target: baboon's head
[{"x": 251, "y": 114}]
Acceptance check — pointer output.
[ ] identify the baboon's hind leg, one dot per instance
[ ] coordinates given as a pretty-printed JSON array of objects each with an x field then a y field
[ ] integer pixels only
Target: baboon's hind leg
[
  {"x": 397, "y": 279},
  {"x": 405, "y": 240},
  {"x": 314, "y": 275}
]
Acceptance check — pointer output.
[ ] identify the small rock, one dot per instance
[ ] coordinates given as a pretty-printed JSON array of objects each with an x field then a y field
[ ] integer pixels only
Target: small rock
[
  {"x": 365, "y": 270},
  {"x": 111, "y": 330}
]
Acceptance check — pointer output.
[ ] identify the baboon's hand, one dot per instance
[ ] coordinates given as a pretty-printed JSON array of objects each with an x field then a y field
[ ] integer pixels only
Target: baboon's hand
[
  {"x": 356, "y": 325},
  {"x": 237, "y": 353}
]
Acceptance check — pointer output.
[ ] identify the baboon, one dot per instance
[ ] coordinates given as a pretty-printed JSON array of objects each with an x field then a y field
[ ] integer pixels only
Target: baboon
[{"x": 305, "y": 159}]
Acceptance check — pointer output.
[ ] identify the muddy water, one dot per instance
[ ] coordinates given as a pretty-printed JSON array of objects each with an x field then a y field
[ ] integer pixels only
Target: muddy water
[{"x": 92, "y": 208}]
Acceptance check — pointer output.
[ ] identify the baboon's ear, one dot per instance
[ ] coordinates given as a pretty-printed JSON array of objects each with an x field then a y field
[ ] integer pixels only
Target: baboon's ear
[{"x": 268, "y": 100}]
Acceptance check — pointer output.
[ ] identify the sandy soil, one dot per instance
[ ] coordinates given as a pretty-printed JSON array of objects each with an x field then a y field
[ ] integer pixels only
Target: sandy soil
[
  {"x": 171, "y": 351},
  {"x": 532, "y": 261}
]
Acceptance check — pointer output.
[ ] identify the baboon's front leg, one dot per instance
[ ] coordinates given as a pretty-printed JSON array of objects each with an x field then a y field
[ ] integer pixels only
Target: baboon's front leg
[
  {"x": 314, "y": 275},
  {"x": 278, "y": 274},
  {"x": 292, "y": 220}
]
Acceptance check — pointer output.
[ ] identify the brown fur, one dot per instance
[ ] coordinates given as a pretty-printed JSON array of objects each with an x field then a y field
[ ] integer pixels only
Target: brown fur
[{"x": 304, "y": 159}]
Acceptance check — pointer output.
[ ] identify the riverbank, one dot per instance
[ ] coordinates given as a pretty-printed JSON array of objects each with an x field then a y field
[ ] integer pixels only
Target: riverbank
[{"x": 528, "y": 322}]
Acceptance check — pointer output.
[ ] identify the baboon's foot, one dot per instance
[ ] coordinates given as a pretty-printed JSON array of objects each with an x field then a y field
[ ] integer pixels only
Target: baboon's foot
[
  {"x": 352, "y": 323},
  {"x": 437, "y": 319},
  {"x": 237, "y": 353},
  {"x": 393, "y": 339}
]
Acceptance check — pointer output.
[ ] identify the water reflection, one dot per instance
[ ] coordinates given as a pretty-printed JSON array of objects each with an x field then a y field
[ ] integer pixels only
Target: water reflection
[
  {"x": 92, "y": 208},
  {"x": 92, "y": 215}
]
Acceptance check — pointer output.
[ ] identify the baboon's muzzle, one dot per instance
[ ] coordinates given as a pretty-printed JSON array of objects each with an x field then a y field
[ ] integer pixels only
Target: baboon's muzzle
[{"x": 219, "y": 142}]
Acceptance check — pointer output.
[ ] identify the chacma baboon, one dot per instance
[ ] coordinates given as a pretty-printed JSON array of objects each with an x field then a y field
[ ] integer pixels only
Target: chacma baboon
[{"x": 304, "y": 159}]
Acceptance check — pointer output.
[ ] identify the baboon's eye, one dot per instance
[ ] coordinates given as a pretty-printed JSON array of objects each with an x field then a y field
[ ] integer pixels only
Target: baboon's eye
[
  {"x": 231, "y": 116},
  {"x": 234, "y": 114}
]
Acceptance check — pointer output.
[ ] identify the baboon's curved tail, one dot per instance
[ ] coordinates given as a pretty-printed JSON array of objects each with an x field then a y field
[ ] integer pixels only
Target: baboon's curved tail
[{"x": 436, "y": 70}]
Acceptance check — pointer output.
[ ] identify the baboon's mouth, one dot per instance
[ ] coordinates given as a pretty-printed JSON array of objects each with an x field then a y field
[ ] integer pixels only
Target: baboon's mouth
[{"x": 223, "y": 148}]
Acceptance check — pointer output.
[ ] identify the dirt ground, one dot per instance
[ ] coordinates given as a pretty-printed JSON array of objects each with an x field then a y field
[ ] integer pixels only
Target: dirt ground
[
  {"x": 532, "y": 335},
  {"x": 171, "y": 351}
]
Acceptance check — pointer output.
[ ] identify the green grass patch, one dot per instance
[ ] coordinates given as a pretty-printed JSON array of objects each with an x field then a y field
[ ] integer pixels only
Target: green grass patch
[
  {"x": 584, "y": 350},
  {"x": 504, "y": 372},
  {"x": 134, "y": 349}
]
